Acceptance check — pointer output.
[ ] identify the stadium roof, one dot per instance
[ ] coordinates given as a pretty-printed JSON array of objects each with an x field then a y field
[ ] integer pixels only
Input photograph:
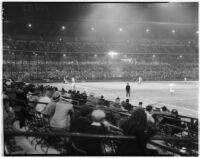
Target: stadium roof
[{"x": 137, "y": 12}]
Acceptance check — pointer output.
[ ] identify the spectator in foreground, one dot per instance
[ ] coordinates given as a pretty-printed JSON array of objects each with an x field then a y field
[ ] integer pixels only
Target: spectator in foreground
[
  {"x": 62, "y": 117},
  {"x": 45, "y": 99},
  {"x": 82, "y": 119},
  {"x": 32, "y": 97},
  {"x": 50, "y": 108},
  {"x": 135, "y": 126},
  {"x": 96, "y": 127},
  {"x": 8, "y": 113}
]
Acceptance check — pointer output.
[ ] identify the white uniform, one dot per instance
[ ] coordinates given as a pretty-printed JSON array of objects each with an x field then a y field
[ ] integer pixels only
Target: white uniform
[
  {"x": 65, "y": 80},
  {"x": 73, "y": 83},
  {"x": 185, "y": 80},
  {"x": 140, "y": 80},
  {"x": 172, "y": 88}
]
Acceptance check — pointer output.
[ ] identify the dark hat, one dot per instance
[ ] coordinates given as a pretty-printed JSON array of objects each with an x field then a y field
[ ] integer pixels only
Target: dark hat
[
  {"x": 174, "y": 111},
  {"x": 56, "y": 96},
  {"x": 149, "y": 107}
]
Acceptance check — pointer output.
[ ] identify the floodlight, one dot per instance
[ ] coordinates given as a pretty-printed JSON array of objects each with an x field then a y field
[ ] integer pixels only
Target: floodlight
[
  {"x": 29, "y": 25},
  {"x": 147, "y": 30},
  {"x": 173, "y": 31},
  {"x": 64, "y": 55},
  {"x": 112, "y": 53},
  {"x": 120, "y": 29},
  {"x": 95, "y": 55},
  {"x": 63, "y": 27},
  {"x": 92, "y": 28},
  {"x": 180, "y": 56}
]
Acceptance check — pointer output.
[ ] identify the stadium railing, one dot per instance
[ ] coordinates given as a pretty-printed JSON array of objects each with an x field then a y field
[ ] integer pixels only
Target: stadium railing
[
  {"x": 189, "y": 123},
  {"x": 190, "y": 140},
  {"x": 152, "y": 141}
]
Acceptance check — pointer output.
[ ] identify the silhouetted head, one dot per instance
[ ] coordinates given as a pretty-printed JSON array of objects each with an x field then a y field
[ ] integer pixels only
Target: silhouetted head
[
  {"x": 149, "y": 108},
  {"x": 136, "y": 123}
]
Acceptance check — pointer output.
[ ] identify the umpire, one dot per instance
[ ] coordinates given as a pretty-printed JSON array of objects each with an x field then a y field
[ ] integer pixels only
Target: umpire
[{"x": 128, "y": 88}]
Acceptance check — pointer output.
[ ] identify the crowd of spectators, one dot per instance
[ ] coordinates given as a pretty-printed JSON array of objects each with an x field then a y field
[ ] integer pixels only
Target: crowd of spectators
[
  {"x": 73, "y": 111},
  {"x": 164, "y": 68},
  {"x": 88, "y": 72},
  {"x": 161, "y": 72},
  {"x": 61, "y": 46}
]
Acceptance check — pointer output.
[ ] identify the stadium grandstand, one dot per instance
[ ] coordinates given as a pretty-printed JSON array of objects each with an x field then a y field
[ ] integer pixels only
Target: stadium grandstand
[{"x": 68, "y": 66}]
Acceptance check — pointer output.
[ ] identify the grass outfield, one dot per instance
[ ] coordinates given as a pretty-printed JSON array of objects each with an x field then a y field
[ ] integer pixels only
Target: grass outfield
[{"x": 185, "y": 99}]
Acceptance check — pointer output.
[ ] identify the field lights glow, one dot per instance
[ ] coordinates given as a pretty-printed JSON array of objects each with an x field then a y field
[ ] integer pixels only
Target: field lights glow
[{"x": 112, "y": 54}]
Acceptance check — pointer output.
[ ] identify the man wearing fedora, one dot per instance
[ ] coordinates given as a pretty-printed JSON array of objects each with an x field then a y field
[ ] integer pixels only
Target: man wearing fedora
[{"x": 50, "y": 108}]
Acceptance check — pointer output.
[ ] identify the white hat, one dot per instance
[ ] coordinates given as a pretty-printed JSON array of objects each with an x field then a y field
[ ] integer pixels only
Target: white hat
[{"x": 98, "y": 115}]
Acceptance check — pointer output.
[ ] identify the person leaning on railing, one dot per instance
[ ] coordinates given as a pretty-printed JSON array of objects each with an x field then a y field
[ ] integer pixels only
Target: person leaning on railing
[
  {"x": 135, "y": 125},
  {"x": 62, "y": 117},
  {"x": 50, "y": 108},
  {"x": 173, "y": 119}
]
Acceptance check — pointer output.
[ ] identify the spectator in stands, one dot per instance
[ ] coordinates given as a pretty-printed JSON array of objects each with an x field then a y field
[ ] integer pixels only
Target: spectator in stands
[
  {"x": 165, "y": 110},
  {"x": 92, "y": 100},
  {"x": 8, "y": 113},
  {"x": 195, "y": 126},
  {"x": 101, "y": 100},
  {"x": 55, "y": 89},
  {"x": 117, "y": 103},
  {"x": 96, "y": 127},
  {"x": 66, "y": 95},
  {"x": 140, "y": 104},
  {"x": 135, "y": 126},
  {"x": 11, "y": 92},
  {"x": 174, "y": 120},
  {"x": 150, "y": 120},
  {"x": 21, "y": 108},
  {"x": 62, "y": 91},
  {"x": 50, "y": 108},
  {"x": 32, "y": 97},
  {"x": 82, "y": 119},
  {"x": 44, "y": 99},
  {"x": 84, "y": 98},
  {"x": 127, "y": 105},
  {"x": 62, "y": 117}
]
